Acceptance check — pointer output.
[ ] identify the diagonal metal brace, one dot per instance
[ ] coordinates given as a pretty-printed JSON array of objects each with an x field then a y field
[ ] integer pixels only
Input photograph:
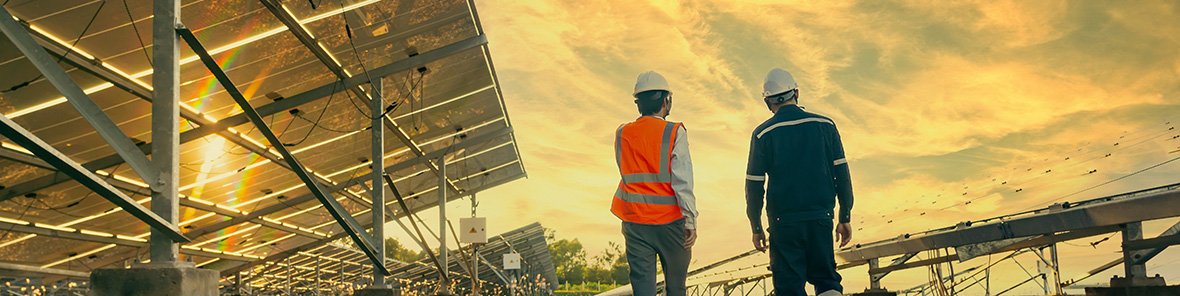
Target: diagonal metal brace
[
  {"x": 58, "y": 160},
  {"x": 74, "y": 94},
  {"x": 345, "y": 219},
  {"x": 406, "y": 210}
]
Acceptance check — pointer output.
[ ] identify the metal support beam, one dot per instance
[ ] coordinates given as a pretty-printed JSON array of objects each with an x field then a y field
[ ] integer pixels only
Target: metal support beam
[
  {"x": 1160, "y": 242},
  {"x": 90, "y": 111},
  {"x": 334, "y": 208},
  {"x": 26, "y": 139},
  {"x": 876, "y": 277},
  {"x": 165, "y": 122},
  {"x": 1149, "y": 204},
  {"x": 117, "y": 240},
  {"x": 919, "y": 263},
  {"x": 45, "y": 271}
]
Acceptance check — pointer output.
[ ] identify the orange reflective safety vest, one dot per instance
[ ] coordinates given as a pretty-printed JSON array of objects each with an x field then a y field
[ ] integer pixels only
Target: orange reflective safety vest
[{"x": 643, "y": 151}]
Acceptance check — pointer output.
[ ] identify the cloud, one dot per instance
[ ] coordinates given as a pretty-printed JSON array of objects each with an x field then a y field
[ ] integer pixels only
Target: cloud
[{"x": 934, "y": 100}]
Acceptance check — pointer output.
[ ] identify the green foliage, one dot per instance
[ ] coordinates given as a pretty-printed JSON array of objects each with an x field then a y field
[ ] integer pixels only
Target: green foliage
[
  {"x": 579, "y": 274},
  {"x": 395, "y": 250}
]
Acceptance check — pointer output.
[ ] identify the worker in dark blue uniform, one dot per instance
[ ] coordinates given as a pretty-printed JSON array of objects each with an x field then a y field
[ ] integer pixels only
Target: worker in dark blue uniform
[{"x": 798, "y": 170}]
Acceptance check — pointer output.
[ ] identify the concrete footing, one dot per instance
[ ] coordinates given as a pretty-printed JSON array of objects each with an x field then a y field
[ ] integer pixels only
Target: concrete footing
[
  {"x": 371, "y": 291},
  {"x": 1135, "y": 286},
  {"x": 874, "y": 292},
  {"x": 180, "y": 279},
  {"x": 1134, "y": 291}
]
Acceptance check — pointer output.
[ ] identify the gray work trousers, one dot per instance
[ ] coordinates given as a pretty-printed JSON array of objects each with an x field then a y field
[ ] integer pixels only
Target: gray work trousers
[{"x": 644, "y": 244}]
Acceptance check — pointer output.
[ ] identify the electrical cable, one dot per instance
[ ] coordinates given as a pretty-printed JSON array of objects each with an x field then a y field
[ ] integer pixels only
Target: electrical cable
[
  {"x": 316, "y": 125},
  {"x": 138, "y": 36},
  {"x": 317, "y": 120},
  {"x": 62, "y": 57}
]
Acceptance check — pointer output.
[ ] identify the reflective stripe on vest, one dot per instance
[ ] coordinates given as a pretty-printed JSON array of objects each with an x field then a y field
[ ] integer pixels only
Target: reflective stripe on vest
[{"x": 645, "y": 198}]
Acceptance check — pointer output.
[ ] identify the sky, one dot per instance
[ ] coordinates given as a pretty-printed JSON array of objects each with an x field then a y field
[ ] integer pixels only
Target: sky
[{"x": 949, "y": 110}]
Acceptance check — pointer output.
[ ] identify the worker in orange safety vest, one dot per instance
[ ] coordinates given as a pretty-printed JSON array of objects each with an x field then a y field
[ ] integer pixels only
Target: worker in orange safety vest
[{"x": 655, "y": 198}]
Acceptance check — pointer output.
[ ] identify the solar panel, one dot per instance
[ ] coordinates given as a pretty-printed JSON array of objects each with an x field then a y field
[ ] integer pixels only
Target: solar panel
[{"x": 238, "y": 204}]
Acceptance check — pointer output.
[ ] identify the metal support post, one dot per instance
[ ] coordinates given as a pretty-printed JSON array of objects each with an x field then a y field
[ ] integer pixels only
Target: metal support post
[
  {"x": 443, "y": 284},
  {"x": 474, "y": 255},
  {"x": 377, "y": 190},
  {"x": 874, "y": 281},
  {"x": 165, "y": 121},
  {"x": 1132, "y": 231},
  {"x": 317, "y": 276},
  {"x": 288, "y": 260},
  {"x": 1043, "y": 270},
  {"x": 238, "y": 283},
  {"x": 1056, "y": 269},
  {"x": 512, "y": 286}
]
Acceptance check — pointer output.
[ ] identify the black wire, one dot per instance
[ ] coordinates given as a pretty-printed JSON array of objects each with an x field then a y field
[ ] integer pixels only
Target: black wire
[
  {"x": 361, "y": 62},
  {"x": 138, "y": 37},
  {"x": 317, "y": 120},
  {"x": 22, "y": 216},
  {"x": 62, "y": 57},
  {"x": 317, "y": 125},
  {"x": 407, "y": 96}
]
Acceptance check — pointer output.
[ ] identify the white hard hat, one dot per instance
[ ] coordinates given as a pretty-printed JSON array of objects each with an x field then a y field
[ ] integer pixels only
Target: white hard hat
[
  {"x": 650, "y": 80},
  {"x": 778, "y": 81}
]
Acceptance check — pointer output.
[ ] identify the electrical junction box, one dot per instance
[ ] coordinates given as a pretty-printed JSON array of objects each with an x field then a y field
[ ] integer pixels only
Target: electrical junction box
[
  {"x": 512, "y": 261},
  {"x": 473, "y": 230}
]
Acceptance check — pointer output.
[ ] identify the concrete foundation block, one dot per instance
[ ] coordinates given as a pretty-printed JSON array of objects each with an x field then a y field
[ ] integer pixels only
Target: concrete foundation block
[
  {"x": 1138, "y": 281},
  {"x": 154, "y": 280},
  {"x": 1134, "y": 291},
  {"x": 874, "y": 292},
  {"x": 371, "y": 291}
]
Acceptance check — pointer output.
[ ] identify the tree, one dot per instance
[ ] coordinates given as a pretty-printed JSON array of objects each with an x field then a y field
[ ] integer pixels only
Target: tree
[
  {"x": 611, "y": 266},
  {"x": 569, "y": 259},
  {"x": 395, "y": 250},
  {"x": 574, "y": 268}
]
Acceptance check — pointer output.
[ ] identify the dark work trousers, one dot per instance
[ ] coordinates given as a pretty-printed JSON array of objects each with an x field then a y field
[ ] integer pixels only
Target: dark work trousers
[
  {"x": 644, "y": 243},
  {"x": 802, "y": 251}
]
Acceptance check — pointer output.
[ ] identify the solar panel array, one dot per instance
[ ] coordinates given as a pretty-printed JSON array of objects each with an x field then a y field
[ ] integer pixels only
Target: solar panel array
[{"x": 241, "y": 205}]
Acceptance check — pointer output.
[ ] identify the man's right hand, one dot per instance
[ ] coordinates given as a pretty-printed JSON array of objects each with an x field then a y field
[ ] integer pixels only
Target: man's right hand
[{"x": 760, "y": 243}]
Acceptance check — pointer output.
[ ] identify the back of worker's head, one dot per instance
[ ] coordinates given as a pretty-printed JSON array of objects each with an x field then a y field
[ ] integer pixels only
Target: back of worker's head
[
  {"x": 779, "y": 100},
  {"x": 652, "y": 93},
  {"x": 652, "y": 101},
  {"x": 779, "y": 89}
]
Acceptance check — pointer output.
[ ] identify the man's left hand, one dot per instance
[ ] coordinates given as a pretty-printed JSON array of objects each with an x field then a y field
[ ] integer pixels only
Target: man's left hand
[
  {"x": 690, "y": 238},
  {"x": 844, "y": 233}
]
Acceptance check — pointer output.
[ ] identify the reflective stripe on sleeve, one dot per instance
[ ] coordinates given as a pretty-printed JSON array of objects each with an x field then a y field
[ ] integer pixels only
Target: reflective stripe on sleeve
[
  {"x": 644, "y": 198},
  {"x": 792, "y": 122},
  {"x": 755, "y": 178},
  {"x": 839, "y": 162}
]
